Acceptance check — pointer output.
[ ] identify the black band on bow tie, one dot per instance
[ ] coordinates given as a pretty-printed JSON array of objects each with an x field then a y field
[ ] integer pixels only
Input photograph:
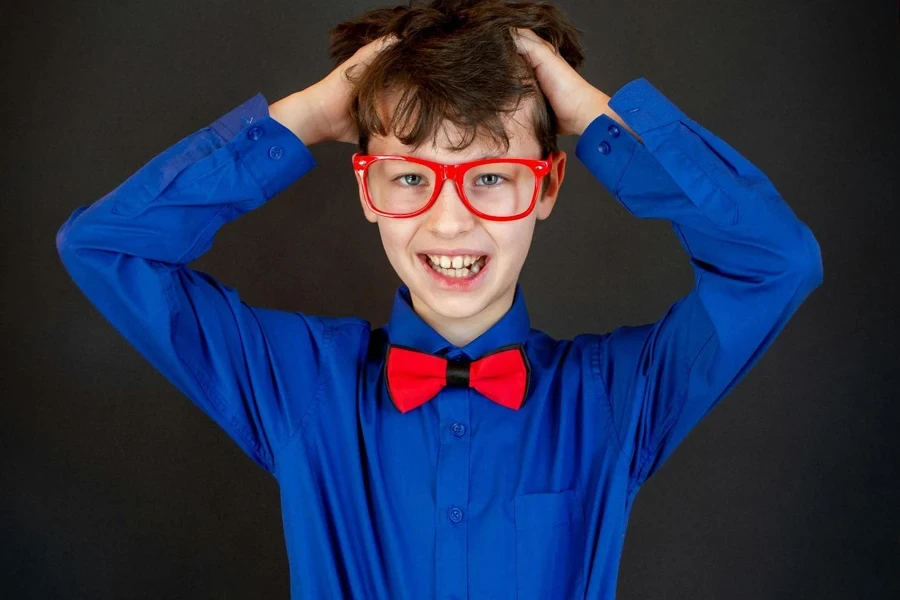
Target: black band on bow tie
[{"x": 458, "y": 373}]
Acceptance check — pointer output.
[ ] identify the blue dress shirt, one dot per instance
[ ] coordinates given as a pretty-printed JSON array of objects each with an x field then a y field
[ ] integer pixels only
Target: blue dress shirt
[{"x": 460, "y": 498}]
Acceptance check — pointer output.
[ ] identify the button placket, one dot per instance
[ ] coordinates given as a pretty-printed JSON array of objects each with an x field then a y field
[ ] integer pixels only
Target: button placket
[{"x": 452, "y": 489}]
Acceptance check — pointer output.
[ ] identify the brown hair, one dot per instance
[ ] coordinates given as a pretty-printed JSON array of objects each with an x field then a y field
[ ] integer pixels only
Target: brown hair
[{"x": 454, "y": 60}]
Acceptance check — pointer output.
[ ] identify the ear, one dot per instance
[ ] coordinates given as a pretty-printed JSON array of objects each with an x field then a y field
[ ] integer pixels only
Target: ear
[
  {"x": 371, "y": 217},
  {"x": 557, "y": 174}
]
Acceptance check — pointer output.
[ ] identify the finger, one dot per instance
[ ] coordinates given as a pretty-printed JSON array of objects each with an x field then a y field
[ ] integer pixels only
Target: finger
[
  {"x": 368, "y": 51},
  {"x": 527, "y": 50},
  {"x": 529, "y": 37},
  {"x": 536, "y": 50},
  {"x": 386, "y": 41},
  {"x": 365, "y": 54}
]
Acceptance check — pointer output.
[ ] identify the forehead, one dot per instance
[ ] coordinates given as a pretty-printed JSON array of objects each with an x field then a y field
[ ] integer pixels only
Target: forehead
[{"x": 519, "y": 127}]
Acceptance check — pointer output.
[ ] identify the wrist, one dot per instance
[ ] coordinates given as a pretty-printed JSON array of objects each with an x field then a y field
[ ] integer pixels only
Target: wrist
[
  {"x": 296, "y": 112},
  {"x": 599, "y": 105}
]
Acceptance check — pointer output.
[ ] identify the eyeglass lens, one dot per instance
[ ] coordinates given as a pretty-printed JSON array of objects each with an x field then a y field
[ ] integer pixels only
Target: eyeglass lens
[{"x": 500, "y": 189}]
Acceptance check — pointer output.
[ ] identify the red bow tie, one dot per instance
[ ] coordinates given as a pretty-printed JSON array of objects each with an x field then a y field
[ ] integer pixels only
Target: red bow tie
[{"x": 414, "y": 377}]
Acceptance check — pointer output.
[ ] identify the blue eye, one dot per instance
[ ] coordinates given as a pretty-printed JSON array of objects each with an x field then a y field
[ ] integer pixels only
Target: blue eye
[
  {"x": 404, "y": 180},
  {"x": 499, "y": 178}
]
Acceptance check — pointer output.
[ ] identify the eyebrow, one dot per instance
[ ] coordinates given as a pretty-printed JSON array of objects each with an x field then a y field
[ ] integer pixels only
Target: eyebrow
[
  {"x": 489, "y": 155},
  {"x": 481, "y": 157}
]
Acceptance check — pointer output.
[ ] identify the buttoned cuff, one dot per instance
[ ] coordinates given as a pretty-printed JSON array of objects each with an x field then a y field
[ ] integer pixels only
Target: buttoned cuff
[
  {"x": 606, "y": 148},
  {"x": 643, "y": 106},
  {"x": 251, "y": 111},
  {"x": 272, "y": 153}
]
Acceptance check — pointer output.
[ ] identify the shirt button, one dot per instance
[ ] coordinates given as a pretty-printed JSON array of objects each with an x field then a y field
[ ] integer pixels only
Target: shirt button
[
  {"x": 458, "y": 429},
  {"x": 254, "y": 133},
  {"x": 455, "y": 515},
  {"x": 613, "y": 130},
  {"x": 604, "y": 148},
  {"x": 275, "y": 152}
]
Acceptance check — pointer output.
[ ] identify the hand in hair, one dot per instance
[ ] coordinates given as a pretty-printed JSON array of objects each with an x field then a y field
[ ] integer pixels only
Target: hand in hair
[
  {"x": 575, "y": 101},
  {"x": 322, "y": 111}
]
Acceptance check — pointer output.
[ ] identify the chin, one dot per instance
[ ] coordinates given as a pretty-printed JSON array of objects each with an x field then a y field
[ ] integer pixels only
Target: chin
[
  {"x": 453, "y": 306},
  {"x": 452, "y": 298}
]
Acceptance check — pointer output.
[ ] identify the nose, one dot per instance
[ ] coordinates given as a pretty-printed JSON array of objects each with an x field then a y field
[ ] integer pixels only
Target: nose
[{"x": 448, "y": 216}]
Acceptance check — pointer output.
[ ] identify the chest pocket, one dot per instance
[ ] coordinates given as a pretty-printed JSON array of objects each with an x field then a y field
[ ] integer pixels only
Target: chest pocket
[{"x": 549, "y": 546}]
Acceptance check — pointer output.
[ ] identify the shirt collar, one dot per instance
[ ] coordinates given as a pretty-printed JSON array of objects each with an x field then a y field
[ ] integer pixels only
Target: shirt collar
[{"x": 406, "y": 328}]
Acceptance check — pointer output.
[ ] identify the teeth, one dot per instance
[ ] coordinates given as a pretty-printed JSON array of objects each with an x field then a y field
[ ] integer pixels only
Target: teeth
[
  {"x": 457, "y": 266},
  {"x": 455, "y": 273},
  {"x": 453, "y": 262}
]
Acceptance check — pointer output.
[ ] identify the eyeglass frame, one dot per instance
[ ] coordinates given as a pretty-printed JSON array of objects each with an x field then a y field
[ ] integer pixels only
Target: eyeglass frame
[{"x": 455, "y": 173}]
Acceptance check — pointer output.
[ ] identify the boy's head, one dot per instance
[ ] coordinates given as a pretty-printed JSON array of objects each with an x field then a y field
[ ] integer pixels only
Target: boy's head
[{"x": 452, "y": 89}]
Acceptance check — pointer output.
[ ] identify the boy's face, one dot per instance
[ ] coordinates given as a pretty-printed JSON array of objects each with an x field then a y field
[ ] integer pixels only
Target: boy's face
[{"x": 448, "y": 228}]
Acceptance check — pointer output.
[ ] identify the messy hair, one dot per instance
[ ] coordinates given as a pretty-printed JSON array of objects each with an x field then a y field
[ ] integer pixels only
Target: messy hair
[{"x": 454, "y": 60}]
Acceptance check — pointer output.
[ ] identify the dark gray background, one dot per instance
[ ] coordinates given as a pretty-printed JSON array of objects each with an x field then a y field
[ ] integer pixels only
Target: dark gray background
[{"x": 115, "y": 486}]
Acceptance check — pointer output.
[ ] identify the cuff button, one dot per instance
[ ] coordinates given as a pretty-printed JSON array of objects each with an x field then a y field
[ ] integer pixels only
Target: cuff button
[
  {"x": 254, "y": 133},
  {"x": 604, "y": 148},
  {"x": 613, "y": 130},
  {"x": 275, "y": 152}
]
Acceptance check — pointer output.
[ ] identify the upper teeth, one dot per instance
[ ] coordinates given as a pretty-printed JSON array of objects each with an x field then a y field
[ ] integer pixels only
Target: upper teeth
[{"x": 455, "y": 262}]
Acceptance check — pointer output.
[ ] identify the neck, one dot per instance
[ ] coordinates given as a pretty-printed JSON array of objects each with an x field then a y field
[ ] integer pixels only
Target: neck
[{"x": 461, "y": 331}]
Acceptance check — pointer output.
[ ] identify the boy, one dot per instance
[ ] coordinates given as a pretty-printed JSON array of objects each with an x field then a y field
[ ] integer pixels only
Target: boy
[{"x": 455, "y": 452}]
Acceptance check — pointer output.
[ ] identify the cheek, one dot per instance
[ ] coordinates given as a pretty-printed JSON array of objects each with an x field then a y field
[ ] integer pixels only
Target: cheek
[
  {"x": 396, "y": 235},
  {"x": 514, "y": 240}
]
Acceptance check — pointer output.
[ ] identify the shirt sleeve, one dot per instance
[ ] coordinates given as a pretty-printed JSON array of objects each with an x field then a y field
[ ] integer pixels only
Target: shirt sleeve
[
  {"x": 754, "y": 262},
  {"x": 128, "y": 251}
]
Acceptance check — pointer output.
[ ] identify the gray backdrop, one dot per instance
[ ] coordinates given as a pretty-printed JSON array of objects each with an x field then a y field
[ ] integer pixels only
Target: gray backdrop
[{"x": 114, "y": 485}]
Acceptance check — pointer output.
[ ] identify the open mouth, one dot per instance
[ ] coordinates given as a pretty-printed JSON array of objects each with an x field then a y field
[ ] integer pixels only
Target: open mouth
[
  {"x": 458, "y": 267},
  {"x": 455, "y": 269}
]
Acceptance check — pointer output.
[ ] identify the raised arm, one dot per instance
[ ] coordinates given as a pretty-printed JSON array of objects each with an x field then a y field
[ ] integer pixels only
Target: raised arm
[
  {"x": 754, "y": 263},
  {"x": 128, "y": 253}
]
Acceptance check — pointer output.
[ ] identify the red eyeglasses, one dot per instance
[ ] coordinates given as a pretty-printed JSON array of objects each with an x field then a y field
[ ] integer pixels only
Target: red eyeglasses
[{"x": 498, "y": 189}]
